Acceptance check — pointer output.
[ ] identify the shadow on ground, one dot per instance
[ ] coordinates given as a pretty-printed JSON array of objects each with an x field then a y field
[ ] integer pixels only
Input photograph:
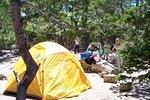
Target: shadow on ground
[
  {"x": 139, "y": 91},
  {"x": 6, "y": 55}
]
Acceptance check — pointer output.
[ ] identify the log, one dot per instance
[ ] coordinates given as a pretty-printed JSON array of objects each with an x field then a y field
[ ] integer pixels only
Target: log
[
  {"x": 106, "y": 67},
  {"x": 98, "y": 68}
]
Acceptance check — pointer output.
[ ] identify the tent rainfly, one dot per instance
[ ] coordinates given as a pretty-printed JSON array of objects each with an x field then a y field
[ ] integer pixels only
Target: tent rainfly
[{"x": 60, "y": 74}]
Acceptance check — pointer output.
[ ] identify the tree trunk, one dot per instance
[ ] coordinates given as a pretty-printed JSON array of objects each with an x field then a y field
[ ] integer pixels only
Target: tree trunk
[
  {"x": 86, "y": 34},
  {"x": 85, "y": 41},
  {"x": 31, "y": 65}
]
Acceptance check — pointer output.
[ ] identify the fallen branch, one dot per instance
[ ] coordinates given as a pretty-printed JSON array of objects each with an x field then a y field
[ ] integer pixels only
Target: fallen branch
[{"x": 17, "y": 77}]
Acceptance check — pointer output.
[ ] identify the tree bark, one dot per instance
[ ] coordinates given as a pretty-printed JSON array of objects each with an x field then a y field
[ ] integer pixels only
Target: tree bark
[
  {"x": 85, "y": 40},
  {"x": 31, "y": 65}
]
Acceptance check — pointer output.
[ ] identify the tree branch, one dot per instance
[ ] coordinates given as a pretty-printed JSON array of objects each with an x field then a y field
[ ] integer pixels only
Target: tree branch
[
  {"x": 55, "y": 18},
  {"x": 17, "y": 77}
]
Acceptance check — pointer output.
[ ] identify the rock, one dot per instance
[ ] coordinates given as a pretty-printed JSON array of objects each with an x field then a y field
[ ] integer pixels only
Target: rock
[
  {"x": 2, "y": 77},
  {"x": 86, "y": 67},
  {"x": 111, "y": 78},
  {"x": 101, "y": 75},
  {"x": 107, "y": 67},
  {"x": 123, "y": 87},
  {"x": 2, "y": 53}
]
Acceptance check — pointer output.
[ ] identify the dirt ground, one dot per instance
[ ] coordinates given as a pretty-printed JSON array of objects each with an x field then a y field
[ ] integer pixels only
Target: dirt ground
[{"x": 99, "y": 91}]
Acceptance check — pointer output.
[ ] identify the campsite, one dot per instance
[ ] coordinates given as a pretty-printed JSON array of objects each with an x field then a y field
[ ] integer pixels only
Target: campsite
[
  {"x": 75, "y": 49},
  {"x": 99, "y": 90}
]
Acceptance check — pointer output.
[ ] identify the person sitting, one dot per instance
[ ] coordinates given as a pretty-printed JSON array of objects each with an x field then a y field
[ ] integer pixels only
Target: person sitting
[{"x": 94, "y": 51}]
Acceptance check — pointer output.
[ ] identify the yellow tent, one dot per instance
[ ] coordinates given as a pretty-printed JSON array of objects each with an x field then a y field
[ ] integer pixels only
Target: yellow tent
[{"x": 60, "y": 74}]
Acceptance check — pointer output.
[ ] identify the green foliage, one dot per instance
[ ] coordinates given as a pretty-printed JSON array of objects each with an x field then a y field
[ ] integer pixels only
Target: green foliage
[
  {"x": 121, "y": 77},
  {"x": 136, "y": 50},
  {"x": 7, "y": 38},
  {"x": 63, "y": 20}
]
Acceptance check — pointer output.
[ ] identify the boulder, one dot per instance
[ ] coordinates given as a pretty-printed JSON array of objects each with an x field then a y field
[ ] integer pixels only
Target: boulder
[{"x": 110, "y": 78}]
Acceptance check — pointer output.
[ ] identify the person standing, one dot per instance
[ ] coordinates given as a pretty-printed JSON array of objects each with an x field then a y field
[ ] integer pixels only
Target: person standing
[
  {"x": 77, "y": 45},
  {"x": 112, "y": 56},
  {"x": 117, "y": 43},
  {"x": 117, "y": 47}
]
